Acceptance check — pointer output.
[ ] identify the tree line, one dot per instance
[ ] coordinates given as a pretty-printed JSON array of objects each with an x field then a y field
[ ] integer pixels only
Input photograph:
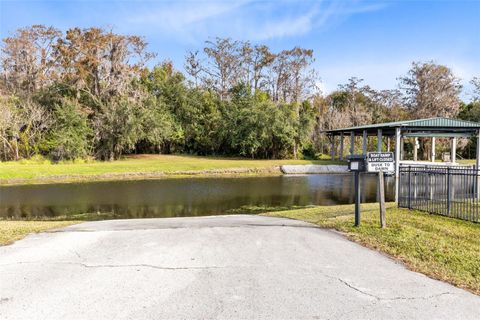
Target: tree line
[{"x": 91, "y": 93}]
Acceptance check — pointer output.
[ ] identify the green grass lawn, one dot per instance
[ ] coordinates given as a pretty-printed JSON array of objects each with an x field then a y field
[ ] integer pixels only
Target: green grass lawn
[
  {"x": 11, "y": 231},
  {"x": 143, "y": 164},
  {"x": 442, "y": 248},
  {"x": 467, "y": 161}
]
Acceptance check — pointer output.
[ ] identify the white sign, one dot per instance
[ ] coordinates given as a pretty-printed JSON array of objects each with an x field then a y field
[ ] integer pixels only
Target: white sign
[{"x": 380, "y": 161}]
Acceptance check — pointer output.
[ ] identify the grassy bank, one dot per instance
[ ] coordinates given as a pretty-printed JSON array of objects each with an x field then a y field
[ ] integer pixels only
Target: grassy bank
[
  {"x": 136, "y": 167},
  {"x": 11, "y": 231},
  {"x": 440, "y": 247}
]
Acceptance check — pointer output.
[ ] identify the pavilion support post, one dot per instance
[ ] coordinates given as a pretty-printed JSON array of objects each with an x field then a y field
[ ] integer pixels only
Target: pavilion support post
[
  {"x": 453, "y": 158},
  {"x": 332, "y": 147},
  {"x": 379, "y": 140},
  {"x": 352, "y": 143},
  {"x": 341, "y": 146},
  {"x": 365, "y": 140},
  {"x": 433, "y": 150},
  {"x": 402, "y": 148},
  {"x": 398, "y": 136},
  {"x": 454, "y": 150},
  {"x": 415, "y": 149}
]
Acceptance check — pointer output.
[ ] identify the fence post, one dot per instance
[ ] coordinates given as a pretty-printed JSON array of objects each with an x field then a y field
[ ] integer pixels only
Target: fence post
[
  {"x": 477, "y": 166},
  {"x": 400, "y": 180},
  {"x": 409, "y": 190},
  {"x": 415, "y": 185},
  {"x": 432, "y": 179},
  {"x": 448, "y": 192}
]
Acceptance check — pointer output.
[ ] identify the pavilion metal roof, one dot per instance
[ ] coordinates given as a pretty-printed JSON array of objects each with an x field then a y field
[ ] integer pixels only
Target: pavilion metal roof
[{"x": 425, "y": 125}]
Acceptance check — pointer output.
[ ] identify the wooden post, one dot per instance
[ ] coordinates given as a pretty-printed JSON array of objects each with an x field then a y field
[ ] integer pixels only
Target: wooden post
[
  {"x": 352, "y": 143},
  {"x": 415, "y": 149},
  {"x": 365, "y": 140},
  {"x": 379, "y": 149},
  {"x": 332, "y": 150},
  {"x": 341, "y": 146},
  {"x": 381, "y": 184},
  {"x": 433, "y": 149},
  {"x": 454, "y": 150},
  {"x": 398, "y": 135},
  {"x": 388, "y": 144}
]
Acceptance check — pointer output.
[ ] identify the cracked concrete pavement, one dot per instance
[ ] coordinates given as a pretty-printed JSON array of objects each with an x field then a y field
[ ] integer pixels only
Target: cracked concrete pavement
[{"x": 223, "y": 267}]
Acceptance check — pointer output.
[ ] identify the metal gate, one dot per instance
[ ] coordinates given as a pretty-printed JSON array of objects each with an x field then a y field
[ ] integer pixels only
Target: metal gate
[{"x": 445, "y": 190}]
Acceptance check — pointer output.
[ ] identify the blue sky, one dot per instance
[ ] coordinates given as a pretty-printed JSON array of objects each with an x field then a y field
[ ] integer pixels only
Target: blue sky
[{"x": 373, "y": 40}]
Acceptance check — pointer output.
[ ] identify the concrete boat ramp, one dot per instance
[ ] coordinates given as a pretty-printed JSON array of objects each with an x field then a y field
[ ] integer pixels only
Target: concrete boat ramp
[{"x": 221, "y": 267}]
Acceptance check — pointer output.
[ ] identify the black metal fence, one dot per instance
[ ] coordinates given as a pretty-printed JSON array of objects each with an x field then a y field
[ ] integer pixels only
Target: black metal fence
[{"x": 449, "y": 191}]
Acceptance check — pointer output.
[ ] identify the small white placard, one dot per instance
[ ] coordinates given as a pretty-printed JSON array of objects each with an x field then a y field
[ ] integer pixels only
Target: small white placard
[
  {"x": 381, "y": 166},
  {"x": 380, "y": 161}
]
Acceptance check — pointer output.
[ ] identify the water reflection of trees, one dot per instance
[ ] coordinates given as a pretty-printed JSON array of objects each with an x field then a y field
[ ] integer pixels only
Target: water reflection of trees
[{"x": 183, "y": 197}]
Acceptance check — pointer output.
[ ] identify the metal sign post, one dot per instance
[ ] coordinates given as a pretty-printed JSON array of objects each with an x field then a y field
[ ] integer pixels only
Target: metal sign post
[
  {"x": 356, "y": 164},
  {"x": 357, "y": 198}
]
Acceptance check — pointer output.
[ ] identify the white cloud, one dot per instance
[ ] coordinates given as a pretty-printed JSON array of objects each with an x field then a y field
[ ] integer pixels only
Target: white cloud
[
  {"x": 292, "y": 26},
  {"x": 181, "y": 15},
  {"x": 318, "y": 15},
  {"x": 253, "y": 20}
]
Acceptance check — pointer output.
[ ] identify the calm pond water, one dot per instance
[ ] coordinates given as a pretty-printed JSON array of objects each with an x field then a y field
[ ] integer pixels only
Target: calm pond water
[{"x": 183, "y": 197}]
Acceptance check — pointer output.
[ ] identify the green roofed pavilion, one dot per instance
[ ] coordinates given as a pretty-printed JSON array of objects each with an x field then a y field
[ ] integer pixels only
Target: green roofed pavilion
[
  {"x": 401, "y": 130},
  {"x": 442, "y": 127}
]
